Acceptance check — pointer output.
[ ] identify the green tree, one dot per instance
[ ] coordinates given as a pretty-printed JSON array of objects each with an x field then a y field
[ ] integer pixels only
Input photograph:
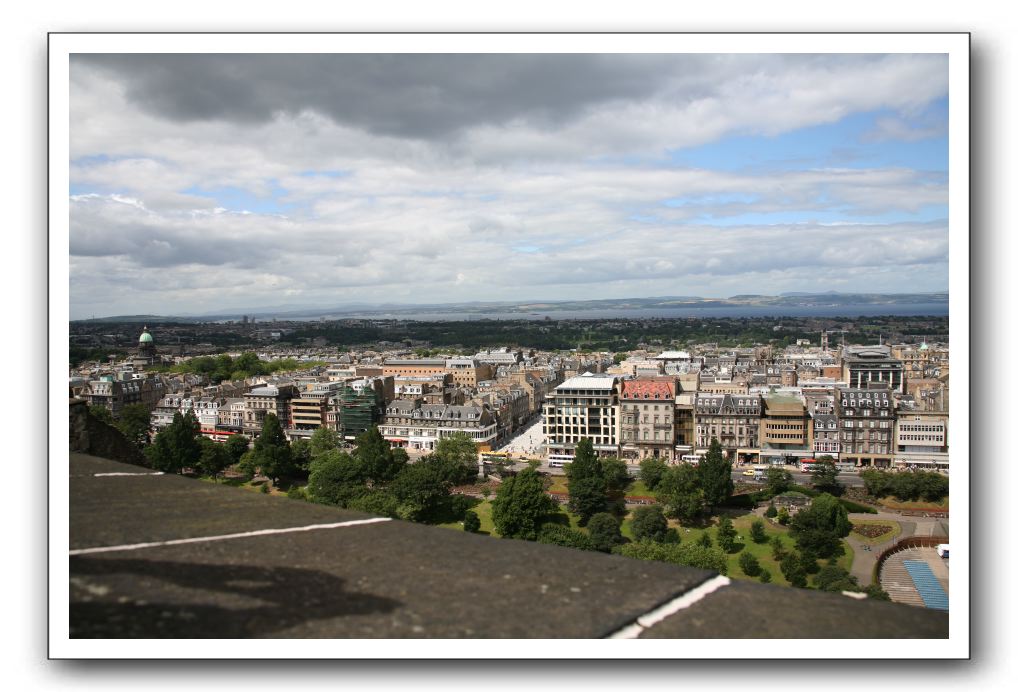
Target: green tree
[
  {"x": 778, "y": 480},
  {"x": 778, "y": 551},
  {"x": 825, "y": 477},
  {"x": 876, "y": 593},
  {"x": 214, "y": 458},
  {"x": 765, "y": 576},
  {"x": 833, "y": 578},
  {"x": 771, "y": 512},
  {"x": 520, "y": 505},
  {"x": 422, "y": 490},
  {"x": 300, "y": 452},
  {"x": 688, "y": 554},
  {"x": 272, "y": 453},
  {"x": 101, "y": 413},
  {"x": 377, "y": 501},
  {"x": 177, "y": 447},
  {"x": 791, "y": 567},
  {"x": 652, "y": 470},
  {"x": 557, "y": 534},
  {"x": 323, "y": 440},
  {"x": 616, "y": 476},
  {"x": 336, "y": 478},
  {"x": 649, "y": 523},
  {"x": 471, "y": 522},
  {"x": 679, "y": 491},
  {"x": 588, "y": 488},
  {"x": 603, "y": 529},
  {"x": 704, "y": 540},
  {"x": 380, "y": 462},
  {"x": 757, "y": 532},
  {"x": 783, "y": 516},
  {"x": 457, "y": 454},
  {"x": 715, "y": 472},
  {"x": 236, "y": 446},
  {"x": 748, "y": 563},
  {"x": 587, "y": 497},
  {"x": 135, "y": 423},
  {"x": 726, "y": 534},
  {"x": 818, "y": 529}
]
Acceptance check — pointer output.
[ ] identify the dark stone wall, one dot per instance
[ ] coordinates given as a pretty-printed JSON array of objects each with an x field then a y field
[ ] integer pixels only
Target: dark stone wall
[{"x": 89, "y": 435}]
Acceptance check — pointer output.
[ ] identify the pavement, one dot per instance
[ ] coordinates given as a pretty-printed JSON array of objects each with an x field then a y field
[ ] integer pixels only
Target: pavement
[{"x": 155, "y": 556}]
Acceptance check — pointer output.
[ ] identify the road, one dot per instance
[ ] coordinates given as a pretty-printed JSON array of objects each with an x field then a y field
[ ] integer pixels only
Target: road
[{"x": 849, "y": 479}]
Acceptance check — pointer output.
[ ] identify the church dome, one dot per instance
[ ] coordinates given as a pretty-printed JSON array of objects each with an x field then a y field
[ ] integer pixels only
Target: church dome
[{"x": 145, "y": 337}]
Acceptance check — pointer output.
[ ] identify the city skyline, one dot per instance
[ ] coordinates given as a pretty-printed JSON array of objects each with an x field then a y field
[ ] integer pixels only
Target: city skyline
[{"x": 203, "y": 182}]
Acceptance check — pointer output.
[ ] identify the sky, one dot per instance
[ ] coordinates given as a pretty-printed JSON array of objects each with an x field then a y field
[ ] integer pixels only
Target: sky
[{"x": 202, "y": 184}]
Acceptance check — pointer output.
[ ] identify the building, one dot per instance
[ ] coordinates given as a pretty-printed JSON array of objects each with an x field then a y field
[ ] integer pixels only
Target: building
[
  {"x": 866, "y": 417},
  {"x": 734, "y": 420},
  {"x": 146, "y": 352},
  {"x": 114, "y": 392},
  {"x": 262, "y": 401},
  {"x": 412, "y": 424},
  {"x": 920, "y": 440},
  {"x": 784, "y": 431},
  {"x": 865, "y": 366},
  {"x": 584, "y": 406},
  {"x": 647, "y": 420}
]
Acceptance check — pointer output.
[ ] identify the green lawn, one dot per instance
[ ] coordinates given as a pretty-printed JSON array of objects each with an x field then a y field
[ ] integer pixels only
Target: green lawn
[{"x": 762, "y": 551}]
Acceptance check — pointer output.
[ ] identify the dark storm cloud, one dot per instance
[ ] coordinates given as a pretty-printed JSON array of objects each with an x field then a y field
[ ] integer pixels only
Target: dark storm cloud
[{"x": 415, "y": 96}]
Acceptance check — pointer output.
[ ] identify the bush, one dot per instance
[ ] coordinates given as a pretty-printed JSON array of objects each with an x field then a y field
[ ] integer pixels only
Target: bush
[
  {"x": 765, "y": 576},
  {"x": 471, "y": 522},
  {"x": 264, "y": 489},
  {"x": 783, "y": 516},
  {"x": 704, "y": 540},
  {"x": 757, "y": 532},
  {"x": 791, "y": 567},
  {"x": 649, "y": 523},
  {"x": 726, "y": 535},
  {"x": 777, "y": 548},
  {"x": 771, "y": 512},
  {"x": 672, "y": 537},
  {"x": 297, "y": 492},
  {"x": 688, "y": 554},
  {"x": 557, "y": 534},
  {"x": 856, "y": 507},
  {"x": 603, "y": 529},
  {"x": 749, "y": 564}
]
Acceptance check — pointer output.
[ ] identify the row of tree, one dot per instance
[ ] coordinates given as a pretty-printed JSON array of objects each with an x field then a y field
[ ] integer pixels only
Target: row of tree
[
  {"x": 247, "y": 364},
  {"x": 908, "y": 485},
  {"x": 690, "y": 492}
]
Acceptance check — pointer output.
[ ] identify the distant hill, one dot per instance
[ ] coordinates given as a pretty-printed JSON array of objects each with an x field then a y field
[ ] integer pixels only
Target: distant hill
[{"x": 829, "y": 299}]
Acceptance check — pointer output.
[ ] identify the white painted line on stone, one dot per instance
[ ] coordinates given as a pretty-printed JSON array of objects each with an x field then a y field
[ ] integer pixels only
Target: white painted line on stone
[
  {"x": 225, "y": 537},
  {"x": 123, "y": 473},
  {"x": 673, "y": 606}
]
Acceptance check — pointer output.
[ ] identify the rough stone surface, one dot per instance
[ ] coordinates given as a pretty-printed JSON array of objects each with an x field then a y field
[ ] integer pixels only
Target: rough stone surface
[
  {"x": 745, "y": 610},
  {"x": 389, "y": 579}
]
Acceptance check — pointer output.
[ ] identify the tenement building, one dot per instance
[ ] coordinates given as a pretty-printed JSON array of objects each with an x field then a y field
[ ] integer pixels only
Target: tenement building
[
  {"x": 261, "y": 401},
  {"x": 734, "y": 419},
  {"x": 412, "y": 424},
  {"x": 646, "y": 420},
  {"x": 866, "y": 417},
  {"x": 583, "y": 406}
]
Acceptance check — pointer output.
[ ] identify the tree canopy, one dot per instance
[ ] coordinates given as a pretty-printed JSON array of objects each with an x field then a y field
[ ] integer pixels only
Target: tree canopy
[
  {"x": 652, "y": 470},
  {"x": 715, "y": 472},
  {"x": 177, "y": 447},
  {"x": 679, "y": 490},
  {"x": 520, "y": 505},
  {"x": 819, "y": 528},
  {"x": 649, "y": 523},
  {"x": 272, "y": 453}
]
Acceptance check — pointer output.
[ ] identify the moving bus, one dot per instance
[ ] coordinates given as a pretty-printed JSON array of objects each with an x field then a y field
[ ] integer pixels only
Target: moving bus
[
  {"x": 557, "y": 461},
  {"x": 693, "y": 459},
  {"x": 759, "y": 471},
  {"x": 808, "y": 465}
]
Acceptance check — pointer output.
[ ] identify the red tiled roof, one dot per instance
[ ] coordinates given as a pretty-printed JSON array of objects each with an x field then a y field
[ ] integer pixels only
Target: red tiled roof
[{"x": 647, "y": 389}]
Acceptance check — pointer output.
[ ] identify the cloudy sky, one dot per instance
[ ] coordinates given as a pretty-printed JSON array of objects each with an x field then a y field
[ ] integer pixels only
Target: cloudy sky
[{"x": 205, "y": 183}]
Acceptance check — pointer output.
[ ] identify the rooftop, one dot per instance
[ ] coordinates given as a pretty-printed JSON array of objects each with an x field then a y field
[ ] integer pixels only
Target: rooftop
[
  {"x": 156, "y": 556},
  {"x": 589, "y": 381}
]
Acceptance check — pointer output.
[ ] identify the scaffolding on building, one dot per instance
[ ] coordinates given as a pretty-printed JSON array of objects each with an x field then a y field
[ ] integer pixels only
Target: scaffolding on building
[{"x": 358, "y": 411}]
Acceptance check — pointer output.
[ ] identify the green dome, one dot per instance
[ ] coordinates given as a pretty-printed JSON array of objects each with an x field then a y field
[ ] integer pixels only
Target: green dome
[{"x": 145, "y": 337}]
